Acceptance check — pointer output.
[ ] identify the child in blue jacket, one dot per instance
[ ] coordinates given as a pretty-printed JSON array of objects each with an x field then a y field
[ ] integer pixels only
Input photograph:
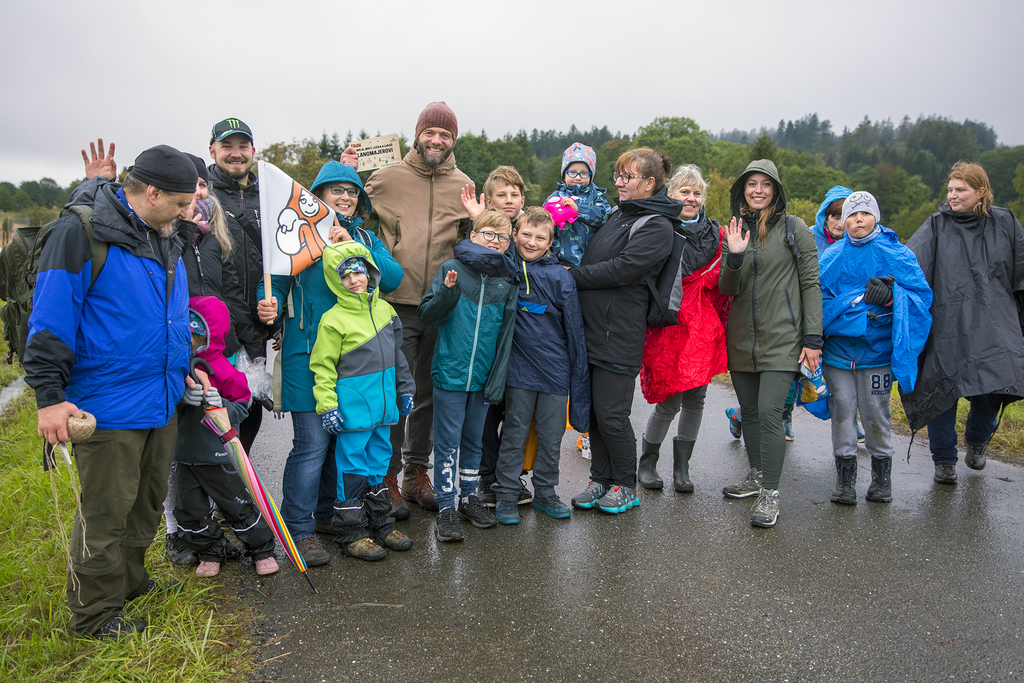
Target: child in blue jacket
[
  {"x": 548, "y": 364},
  {"x": 474, "y": 308},
  {"x": 876, "y": 303},
  {"x": 577, "y": 189}
]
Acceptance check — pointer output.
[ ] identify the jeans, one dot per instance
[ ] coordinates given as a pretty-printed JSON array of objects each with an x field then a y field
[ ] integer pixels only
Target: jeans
[
  {"x": 310, "y": 477},
  {"x": 458, "y": 427},
  {"x": 981, "y": 425}
]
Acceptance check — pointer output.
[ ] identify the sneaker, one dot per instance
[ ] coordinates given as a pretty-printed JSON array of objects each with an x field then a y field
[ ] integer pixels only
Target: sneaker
[
  {"x": 618, "y": 499},
  {"x": 765, "y": 511},
  {"x": 418, "y": 488},
  {"x": 207, "y": 569},
  {"x": 524, "y": 497},
  {"x": 734, "y": 422},
  {"x": 585, "y": 450},
  {"x": 119, "y": 627},
  {"x": 266, "y": 566},
  {"x": 507, "y": 512},
  {"x": 396, "y": 540},
  {"x": 364, "y": 549},
  {"x": 750, "y": 486},
  {"x": 312, "y": 552},
  {"x": 399, "y": 507},
  {"x": 945, "y": 473},
  {"x": 476, "y": 514},
  {"x": 590, "y": 495},
  {"x": 553, "y": 507},
  {"x": 486, "y": 497},
  {"x": 177, "y": 552},
  {"x": 447, "y": 526},
  {"x": 975, "y": 458}
]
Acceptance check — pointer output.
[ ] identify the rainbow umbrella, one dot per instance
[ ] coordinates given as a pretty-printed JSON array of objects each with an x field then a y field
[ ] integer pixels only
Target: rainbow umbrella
[{"x": 219, "y": 423}]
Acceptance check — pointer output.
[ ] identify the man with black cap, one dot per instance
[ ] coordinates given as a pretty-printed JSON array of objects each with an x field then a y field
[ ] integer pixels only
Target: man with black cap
[
  {"x": 238, "y": 190},
  {"x": 113, "y": 341}
]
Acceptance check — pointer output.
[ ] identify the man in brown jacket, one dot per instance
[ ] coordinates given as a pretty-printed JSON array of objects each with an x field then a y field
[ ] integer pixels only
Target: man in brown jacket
[{"x": 420, "y": 214}]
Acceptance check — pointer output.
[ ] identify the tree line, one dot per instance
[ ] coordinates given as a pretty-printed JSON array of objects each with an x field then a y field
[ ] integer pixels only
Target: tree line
[{"x": 903, "y": 165}]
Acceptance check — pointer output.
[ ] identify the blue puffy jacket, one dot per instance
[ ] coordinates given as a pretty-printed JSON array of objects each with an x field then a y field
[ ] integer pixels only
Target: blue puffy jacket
[
  {"x": 119, "y": 348},
  {"x": 821, "y": 237},
  {"x": 859, "y": 335},
  {"x": 310, "y": 299},
  {"x": 571, "y": 239},
  {"x": 549, "y": 353}
]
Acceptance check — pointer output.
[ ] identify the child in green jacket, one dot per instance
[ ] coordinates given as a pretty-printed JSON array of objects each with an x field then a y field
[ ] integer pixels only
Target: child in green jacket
[{"x": 361, "y": 376}]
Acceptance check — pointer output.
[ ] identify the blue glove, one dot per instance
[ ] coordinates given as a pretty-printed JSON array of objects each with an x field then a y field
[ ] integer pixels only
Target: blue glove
[
  {"x": 406, "y": 406},
  {"x": 331, "y": 421}
]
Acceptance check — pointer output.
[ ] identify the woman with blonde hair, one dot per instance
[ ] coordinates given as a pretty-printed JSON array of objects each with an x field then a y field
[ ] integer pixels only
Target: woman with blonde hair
[
  {"x": 972, "y": 254},
  {"x": 771, "y": 271}
]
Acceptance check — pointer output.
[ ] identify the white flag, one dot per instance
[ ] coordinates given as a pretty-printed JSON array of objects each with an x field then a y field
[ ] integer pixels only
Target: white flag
[{"x": 296, "y": 226}]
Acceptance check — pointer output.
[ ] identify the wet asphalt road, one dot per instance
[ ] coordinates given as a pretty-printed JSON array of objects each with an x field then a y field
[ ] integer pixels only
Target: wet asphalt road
[{"x": 927, "y": 588}]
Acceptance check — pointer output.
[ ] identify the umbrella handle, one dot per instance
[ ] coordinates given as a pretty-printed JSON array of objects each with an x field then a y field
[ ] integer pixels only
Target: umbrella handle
[{"x": 196, "y": 362}]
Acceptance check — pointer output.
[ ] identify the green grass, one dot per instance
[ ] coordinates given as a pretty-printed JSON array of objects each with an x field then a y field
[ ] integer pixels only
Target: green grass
[{"x": 197, "y": 634}]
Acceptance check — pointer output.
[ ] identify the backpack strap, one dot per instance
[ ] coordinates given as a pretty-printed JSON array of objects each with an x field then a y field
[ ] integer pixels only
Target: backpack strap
[
  {"x": 791, "y": 237},
  {"x": 97, "y": 248},
  {"x": 640, "y": 222}
]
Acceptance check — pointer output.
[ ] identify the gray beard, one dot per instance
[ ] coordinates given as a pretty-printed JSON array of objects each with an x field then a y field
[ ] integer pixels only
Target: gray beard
[{"x": 432, "y": 161}]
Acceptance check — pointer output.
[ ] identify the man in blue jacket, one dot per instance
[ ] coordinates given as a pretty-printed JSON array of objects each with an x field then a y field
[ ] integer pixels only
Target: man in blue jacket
[{"x": 115, "y": 344}]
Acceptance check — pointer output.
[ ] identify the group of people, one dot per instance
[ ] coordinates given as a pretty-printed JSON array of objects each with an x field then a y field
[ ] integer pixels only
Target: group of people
[{"x": 439, "y": 323}]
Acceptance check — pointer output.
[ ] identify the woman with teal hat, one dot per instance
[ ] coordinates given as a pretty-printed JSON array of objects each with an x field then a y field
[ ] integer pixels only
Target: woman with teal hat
[{"x": 309, "y": 482}]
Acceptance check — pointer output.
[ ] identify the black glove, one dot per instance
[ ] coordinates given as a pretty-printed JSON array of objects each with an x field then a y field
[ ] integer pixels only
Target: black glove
[{"x": 879, "y": 291}]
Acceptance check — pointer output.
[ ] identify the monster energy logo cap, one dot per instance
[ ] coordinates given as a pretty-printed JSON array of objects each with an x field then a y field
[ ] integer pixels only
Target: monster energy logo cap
[{"x": 227, "y": 127}]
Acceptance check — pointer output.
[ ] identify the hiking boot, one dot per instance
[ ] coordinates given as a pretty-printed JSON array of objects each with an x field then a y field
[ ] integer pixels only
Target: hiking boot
[
  {"x": 364, "y": 549},
  {"x": 552, "y": 506},
  {"x": 447, "y": 526},
  {"x": 975, "y": 458},
  {"x": 396, "y": 540},
  {"x": 162, "y": 588},
  {"x": 618, "y": 499},
  {"x": 266, "y": 566},
  {"x": 418, "y": 488},
  {"x": 765, "y": 512},
  {"x": 735, "y": 426},
  {"x": 312, "y": 552},
  {"x": 177, "y": 552},
  {"x": 647, "y": 470},
  {"x": 476, "y": 514},
  {"x": 524, "y": 497},
  {"x": 787, "y": 421},
  {"x": 750, "y": 486},
  {"x": 845, "y": 492},
  {"x": 880, "y": 490},
  {"x": 681, "y": 452},
  {"x": 945, "y": 473},
  {"x": 399, "y": 507},
  {"x": 590, "y": 495},
  {"x": 119, "y": 627},
  {"x": 507, "y": 512},
  {"x": 207, "y": 569}
]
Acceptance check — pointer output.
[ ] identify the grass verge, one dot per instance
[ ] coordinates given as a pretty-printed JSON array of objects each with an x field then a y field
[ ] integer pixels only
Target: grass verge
[{"x": 196, "y": 634}]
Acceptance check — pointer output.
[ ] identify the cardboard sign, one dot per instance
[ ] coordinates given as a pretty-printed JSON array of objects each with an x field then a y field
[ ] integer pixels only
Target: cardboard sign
[{"x": 378, "y": 152}]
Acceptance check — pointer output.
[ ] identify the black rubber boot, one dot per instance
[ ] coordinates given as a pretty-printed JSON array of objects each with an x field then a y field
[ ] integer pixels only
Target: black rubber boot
[
  {"x": 351, "y": 526},
  {"x": 681, "y": 452},
  {"x": 845, "y": 492},
  {"x": 647, "y": 472},
  {"x": 380, "y": 521},
  {"x": 880, "y": 490}
]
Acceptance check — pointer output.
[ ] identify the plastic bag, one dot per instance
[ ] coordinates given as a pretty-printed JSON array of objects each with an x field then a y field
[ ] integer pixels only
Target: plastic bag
[{"x": 256, "y": 375}]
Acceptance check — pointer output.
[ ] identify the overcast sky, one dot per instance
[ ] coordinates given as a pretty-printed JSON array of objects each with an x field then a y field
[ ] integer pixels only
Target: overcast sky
[{"x": 145, "y": 73}]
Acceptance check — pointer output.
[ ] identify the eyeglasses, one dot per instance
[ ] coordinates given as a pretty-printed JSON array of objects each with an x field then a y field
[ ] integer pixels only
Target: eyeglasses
[
  {"x": 625, "y": 177},
  {"x": 490, "y": 236},
  {"x": 578, "y": 174},
  {"x": 338, "y": 190}
]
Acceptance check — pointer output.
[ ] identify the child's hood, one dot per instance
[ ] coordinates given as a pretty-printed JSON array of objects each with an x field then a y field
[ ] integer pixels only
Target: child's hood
[
  {"x": 335, "y": 255},
  {"x": 213, "y": 314},
  {"x": 485, "y": 261}
]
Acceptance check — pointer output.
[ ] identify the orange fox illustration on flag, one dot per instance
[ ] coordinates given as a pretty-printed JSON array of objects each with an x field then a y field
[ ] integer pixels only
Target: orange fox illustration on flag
[{"x": 301, "y": 226}]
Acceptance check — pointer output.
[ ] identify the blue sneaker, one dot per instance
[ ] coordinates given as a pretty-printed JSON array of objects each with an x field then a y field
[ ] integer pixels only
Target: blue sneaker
[
  {"x": 552, "y": 506},
  {"x": 590, "y": 495},
  {"x": 507, "y": 512},
  {"x": 618, "y": 499},
  {"x": 734, "y": 422}
]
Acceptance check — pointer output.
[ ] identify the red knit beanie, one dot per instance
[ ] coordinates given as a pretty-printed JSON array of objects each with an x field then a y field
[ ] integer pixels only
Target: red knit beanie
[{"x": 437, "y": 115}]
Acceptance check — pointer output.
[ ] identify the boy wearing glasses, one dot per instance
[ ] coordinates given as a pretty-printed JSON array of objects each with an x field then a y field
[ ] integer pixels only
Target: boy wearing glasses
[
  {"x": 575, "y": 189},
  {"x": 474, "y": 308}
]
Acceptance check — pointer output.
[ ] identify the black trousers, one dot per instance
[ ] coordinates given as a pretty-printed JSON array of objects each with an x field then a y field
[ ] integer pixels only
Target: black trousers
[{"x": 612, "y": 440}]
